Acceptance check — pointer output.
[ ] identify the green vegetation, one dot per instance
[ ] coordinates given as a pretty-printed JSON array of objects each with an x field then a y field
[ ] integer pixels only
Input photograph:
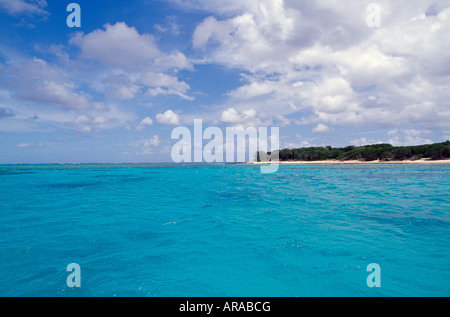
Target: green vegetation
[{"x": 384, "y": 152}]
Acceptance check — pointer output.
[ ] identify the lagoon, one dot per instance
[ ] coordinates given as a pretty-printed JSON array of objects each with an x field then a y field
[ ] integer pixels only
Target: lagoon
[{"x": 224, "y": 230}]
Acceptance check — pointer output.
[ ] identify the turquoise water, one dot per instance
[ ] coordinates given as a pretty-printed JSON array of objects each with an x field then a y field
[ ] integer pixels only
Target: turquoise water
[{"x": 224, "y": 230}]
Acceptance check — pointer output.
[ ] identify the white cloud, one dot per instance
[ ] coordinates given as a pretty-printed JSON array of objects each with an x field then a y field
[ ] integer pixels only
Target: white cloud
[
  {"x": 300, "y": 142},
  {"x": 85, "y": 129},
  {"x": 42, "y": 96},
  {"x": 56, "y": 94},
  {"x": 28, "y": 145},
  {"x": 122, "y": 46},
  {"x": 88, "y": 124},
  {"x": 154, "y": 141},
  {"x": 39, "y": 82},
  {"x": 404, "y": 137},
  {"x": 147, "y": 146},
  {"x": 362, "y": 141},
  {"x": 121, "y": 64},
  {"x": 232, "y": 116},
  {"x": 144, "y": 122},
  {"x": 170, "y": 26},
  {"x": 321, "y": 59},
  {"x": 24, "y": 145},
  {"x": 163, "y": 84},
  {"x": 134, "y": 62},
  {"x": 82, "y": 120},
  {"x": 30, "y": 7},
  {"x": 321, "y": 128},
  {"x": 248, "y": 39},
  {"x": 101, "y": 120},
  {"x": 169, "y": 117},
  {"x": 119, "y": 86},
  {"x": 312, "y": 62},
  {"x": 398, "y": 137},
  {"x": 124, "y": 92}
]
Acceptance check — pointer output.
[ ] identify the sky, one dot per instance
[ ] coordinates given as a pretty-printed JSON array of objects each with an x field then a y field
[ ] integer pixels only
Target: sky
[{"x": 112, "y": 90}]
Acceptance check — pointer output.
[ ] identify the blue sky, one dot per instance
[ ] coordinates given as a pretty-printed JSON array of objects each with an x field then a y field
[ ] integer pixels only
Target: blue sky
[{"x": 113, "y": 90}]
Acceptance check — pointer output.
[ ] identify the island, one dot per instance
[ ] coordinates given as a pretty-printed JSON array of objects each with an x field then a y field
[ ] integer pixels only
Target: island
[{"x": 383, "y": 153}]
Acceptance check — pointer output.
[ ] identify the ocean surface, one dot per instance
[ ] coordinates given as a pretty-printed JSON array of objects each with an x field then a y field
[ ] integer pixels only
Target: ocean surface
[{"x": 224, "y": 230}]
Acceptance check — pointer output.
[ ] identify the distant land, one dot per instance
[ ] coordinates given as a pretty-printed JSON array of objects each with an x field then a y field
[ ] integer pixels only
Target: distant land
[{"x": 375, "y": 152}]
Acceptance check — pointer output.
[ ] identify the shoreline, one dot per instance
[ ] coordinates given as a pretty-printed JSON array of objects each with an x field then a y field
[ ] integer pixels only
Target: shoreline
[{"x": 337, "y": 162}]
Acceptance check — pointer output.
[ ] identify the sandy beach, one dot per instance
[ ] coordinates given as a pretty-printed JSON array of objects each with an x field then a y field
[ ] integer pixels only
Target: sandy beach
[{"x": 337, "y": 162}]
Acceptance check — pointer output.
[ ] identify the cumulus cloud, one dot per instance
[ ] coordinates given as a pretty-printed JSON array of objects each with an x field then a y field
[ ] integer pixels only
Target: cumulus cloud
[
  {"x": 153, "y": 142},
  {"x": 248, "y": 39},
  {"x": 164, "y": 84},
  {"x": 122, "y": 46},
  {"x": 321, "y": 128},
  {"x": 232, "y": 116},
  {"x": 56, "y": 94},
  {"x": 321, "y": 60},
  {"x": 313, "y": 62},
  {"x": 60, "y": 95},
  {"x": 143, "y": 66},
  {"x": 39, "y": 82},
  {"x": 169, "y": 117},
  {"x": 144, "y": 122}
]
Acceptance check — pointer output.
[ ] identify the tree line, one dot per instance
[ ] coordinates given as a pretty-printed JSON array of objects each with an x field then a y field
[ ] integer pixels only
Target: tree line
[{"x": 383, "y": 152}]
